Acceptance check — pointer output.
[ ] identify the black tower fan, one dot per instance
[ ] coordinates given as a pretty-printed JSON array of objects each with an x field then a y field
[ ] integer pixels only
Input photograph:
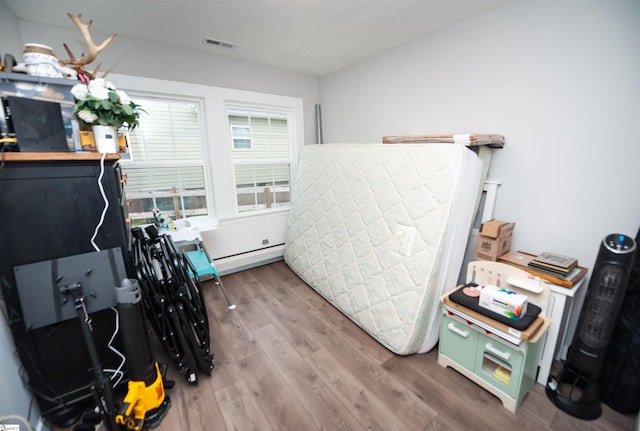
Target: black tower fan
[
  {"x": 620, "y": 377},
  {"x": 575, "y": 389}
]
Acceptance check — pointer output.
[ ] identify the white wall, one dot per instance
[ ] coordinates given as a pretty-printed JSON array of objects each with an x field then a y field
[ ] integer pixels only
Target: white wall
[
  {"x": 151, "y": 60},
  {"x": 559, "y": 79},
  {"x": 9, "y": 36}
]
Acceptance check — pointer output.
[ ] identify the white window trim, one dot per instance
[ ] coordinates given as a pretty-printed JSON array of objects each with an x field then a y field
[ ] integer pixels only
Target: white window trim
[{"x": 219, "y": 177}]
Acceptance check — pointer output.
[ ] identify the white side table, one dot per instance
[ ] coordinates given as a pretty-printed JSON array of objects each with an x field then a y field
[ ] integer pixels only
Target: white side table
[{"x": 562, "y": 301}]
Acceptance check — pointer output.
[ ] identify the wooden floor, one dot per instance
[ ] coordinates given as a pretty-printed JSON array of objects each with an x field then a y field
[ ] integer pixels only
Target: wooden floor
[{"x": 287, "y": 360}]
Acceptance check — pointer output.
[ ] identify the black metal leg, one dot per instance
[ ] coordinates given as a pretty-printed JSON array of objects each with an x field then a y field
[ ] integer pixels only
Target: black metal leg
[{"x": 102, "y": 390}]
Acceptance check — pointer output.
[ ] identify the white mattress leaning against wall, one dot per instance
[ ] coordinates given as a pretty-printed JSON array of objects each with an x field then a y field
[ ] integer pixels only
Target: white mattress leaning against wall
[{"x": 380, "y": 231}]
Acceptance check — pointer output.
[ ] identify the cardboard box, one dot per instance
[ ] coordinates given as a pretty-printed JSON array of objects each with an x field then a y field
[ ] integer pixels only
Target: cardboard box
[
  {"x": 494, "y": 240},
  {"x": 503, "y": 301},
  {"x": 496, "y": 228},
  {"x": 492, "y": 248}
]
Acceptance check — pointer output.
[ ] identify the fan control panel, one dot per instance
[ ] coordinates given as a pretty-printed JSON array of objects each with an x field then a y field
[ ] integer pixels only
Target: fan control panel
[{"x": 620, "y": 244}]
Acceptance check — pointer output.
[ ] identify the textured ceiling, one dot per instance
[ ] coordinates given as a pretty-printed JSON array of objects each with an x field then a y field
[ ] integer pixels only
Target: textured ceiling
[{"x": 313, "y": 37}]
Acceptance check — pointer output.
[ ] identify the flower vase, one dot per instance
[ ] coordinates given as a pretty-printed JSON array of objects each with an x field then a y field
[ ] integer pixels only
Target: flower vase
[{"x": 106, "y": 138}]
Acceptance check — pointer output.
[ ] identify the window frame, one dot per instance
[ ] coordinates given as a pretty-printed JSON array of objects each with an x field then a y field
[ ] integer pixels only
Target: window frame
[
  {"x": 132, "y": 163},
  {"x": 272, "y": 112}
]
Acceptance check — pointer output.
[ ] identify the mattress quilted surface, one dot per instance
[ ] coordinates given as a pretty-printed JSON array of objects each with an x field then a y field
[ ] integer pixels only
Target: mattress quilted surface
[{"x": 380, "y": 232}]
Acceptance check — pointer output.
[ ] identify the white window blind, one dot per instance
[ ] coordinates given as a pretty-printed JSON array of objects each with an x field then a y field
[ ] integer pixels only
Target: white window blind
[{"x": 166, "y": 168}]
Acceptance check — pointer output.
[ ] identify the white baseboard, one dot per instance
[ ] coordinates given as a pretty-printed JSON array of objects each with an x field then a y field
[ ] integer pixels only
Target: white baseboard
[{"x": 248, "y": 260}]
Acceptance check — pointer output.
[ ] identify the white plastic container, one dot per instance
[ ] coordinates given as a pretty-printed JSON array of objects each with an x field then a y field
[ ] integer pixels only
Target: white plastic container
[{"x": 503, "y": 301}]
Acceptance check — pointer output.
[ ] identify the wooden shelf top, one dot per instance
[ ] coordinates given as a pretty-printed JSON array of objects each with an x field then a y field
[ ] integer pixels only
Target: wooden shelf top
[{"x": 56, "y": 157}]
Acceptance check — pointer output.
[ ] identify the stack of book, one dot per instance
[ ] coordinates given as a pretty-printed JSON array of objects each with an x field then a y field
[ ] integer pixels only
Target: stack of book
[
  {"x": 522, "y": 259},
  {"x": 554, "y": 263}
]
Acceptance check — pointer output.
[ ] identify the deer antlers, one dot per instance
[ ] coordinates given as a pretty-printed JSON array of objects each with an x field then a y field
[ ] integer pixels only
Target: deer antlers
[{"x": 78, "y": 64}]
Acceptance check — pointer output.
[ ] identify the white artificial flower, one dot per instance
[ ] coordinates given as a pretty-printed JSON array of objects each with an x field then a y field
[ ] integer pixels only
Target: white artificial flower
[
  {"x": 87, "y": 116},
  {"x": 98, "y": 82},
  {"x": 109, "y": 85},
  {"x": 124, "y": 97},
  {"x": 98, "y": 90},
  {"x": 79, "y": 91}
]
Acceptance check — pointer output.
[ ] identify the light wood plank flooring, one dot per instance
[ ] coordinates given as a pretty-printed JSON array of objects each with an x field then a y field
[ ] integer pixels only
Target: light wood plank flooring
[{"x": 285, "y": 359}]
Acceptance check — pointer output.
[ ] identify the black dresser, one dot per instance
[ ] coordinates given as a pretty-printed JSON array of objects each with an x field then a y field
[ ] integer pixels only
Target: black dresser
[{"x": 50, "y": 205}]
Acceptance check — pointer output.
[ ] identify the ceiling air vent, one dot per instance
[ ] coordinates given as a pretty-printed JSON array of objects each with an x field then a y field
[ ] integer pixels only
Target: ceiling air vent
[{"x": 209, "y": 41}]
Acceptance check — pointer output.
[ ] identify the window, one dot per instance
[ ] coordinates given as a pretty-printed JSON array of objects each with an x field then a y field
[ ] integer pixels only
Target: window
[
  {"x": 166, "y": 168},
  {"x": 185, "y": 141},
  {"x": 261, "y": 157},
  {"x": 241, "y": 137}
]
